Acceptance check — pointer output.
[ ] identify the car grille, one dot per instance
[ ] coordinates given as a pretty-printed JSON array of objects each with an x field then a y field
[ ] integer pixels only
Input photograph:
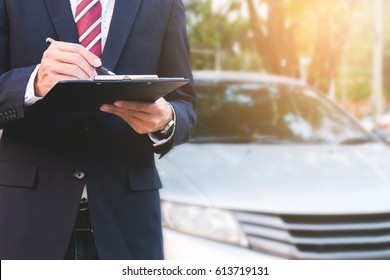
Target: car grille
[{"x": 318, "y": 236}]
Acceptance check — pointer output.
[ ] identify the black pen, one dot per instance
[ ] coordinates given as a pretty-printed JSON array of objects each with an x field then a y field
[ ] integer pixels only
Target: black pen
[
  {"x": 105, "y": 71},
  {"x": 100, "y": 69}
]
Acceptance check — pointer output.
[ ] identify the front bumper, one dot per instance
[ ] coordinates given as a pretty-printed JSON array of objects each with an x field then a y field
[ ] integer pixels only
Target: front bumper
[{"x": 180, "y": 246}]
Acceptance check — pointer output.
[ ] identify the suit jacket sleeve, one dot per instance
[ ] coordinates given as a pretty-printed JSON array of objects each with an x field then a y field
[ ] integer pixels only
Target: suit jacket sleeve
[
  {"x": 175, "y": 62},
  {"x": 12, "y": 83}
]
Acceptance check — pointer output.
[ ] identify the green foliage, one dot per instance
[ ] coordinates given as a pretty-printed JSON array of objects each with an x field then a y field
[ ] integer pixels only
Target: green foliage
[
  {"x": 220, "y": 37},
  {"x": 336, "y": 36}
]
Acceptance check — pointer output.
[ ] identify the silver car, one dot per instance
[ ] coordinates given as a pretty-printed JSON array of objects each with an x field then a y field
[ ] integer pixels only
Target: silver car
[{"x": 275, "y": 170}]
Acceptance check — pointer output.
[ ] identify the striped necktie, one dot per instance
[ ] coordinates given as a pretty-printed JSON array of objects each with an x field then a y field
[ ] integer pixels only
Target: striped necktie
[{"x": 88, "y": 18}]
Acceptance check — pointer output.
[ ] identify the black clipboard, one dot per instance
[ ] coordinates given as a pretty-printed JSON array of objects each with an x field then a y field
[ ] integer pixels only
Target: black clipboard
[{"x": 89, "y": 95}]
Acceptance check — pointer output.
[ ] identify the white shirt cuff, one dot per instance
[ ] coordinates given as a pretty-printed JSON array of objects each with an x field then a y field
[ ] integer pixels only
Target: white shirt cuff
[
  {"x": 29, "y": 96},
  {"x": 158, "y": 142}
]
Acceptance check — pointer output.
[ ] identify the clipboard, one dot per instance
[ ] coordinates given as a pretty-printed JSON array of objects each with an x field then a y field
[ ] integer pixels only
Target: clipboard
[{"x": 89, "y": 95}]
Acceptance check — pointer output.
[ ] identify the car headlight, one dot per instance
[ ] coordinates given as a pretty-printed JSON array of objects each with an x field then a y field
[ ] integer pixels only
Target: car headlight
[{"x": 206, "y": 222}]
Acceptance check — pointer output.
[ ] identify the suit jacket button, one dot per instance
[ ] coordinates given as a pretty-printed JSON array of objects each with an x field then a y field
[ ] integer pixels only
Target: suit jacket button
[
  {"x": 88, "y": 124},
  {"x": 79, "y": 175}
]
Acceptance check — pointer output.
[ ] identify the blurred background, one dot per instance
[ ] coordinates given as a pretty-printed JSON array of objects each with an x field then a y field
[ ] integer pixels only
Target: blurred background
[
  {"x": 337, "y": 46},
  {"x": 290, "y": 158}
]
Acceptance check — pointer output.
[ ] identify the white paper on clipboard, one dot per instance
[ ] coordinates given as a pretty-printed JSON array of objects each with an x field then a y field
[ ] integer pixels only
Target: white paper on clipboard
[{"x": 125, "y": 78}]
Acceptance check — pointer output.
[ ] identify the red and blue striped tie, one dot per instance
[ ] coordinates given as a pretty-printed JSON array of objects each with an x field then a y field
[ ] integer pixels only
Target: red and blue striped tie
[{"x": 88, "y": 20}]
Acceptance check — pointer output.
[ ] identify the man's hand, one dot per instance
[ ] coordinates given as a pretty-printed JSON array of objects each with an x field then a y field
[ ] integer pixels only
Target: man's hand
[
  {"x": 142, "y": 117},
  {"x": 64, "y": 61}
]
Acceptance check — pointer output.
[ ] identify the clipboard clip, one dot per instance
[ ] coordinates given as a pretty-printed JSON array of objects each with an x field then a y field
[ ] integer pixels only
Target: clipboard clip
[{"x": 125, "y": 78}]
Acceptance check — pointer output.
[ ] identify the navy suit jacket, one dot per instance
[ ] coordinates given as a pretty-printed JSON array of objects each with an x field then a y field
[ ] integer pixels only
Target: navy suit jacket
[{"x": 41, "y": 153}]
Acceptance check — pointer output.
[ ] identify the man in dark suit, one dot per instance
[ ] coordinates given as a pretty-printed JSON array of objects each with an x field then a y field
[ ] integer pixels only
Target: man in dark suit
[{"x": 47, "y": 160}]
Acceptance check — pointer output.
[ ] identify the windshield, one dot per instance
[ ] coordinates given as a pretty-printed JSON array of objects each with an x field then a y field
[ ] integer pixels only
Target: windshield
[{"x": 271, "y": 113}]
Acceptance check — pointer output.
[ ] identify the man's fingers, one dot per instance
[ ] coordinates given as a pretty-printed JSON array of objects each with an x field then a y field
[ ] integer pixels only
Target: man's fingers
[
  {"x": 137, "y": 124},
  {"x": 156, "y": 107},
  {"x": 77, "y": 48},
  {"x": 68, "y": 61},
  {"x": 141, "y": 122},
  {"x": 44, "y": 83},
  {"x": 150, "y": 117},
  {"x": 62, "y": 59},
  {"x": 124, "y": 113}
]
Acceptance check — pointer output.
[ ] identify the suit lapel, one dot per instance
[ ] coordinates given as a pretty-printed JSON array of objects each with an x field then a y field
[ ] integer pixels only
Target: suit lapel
[
  {"x": 62, "y": 17},
  {"x": 123, "y": 18}
]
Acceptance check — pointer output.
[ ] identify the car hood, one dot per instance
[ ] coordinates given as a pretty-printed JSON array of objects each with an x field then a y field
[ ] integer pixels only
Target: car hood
[{"x": 323, "y": 179}]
